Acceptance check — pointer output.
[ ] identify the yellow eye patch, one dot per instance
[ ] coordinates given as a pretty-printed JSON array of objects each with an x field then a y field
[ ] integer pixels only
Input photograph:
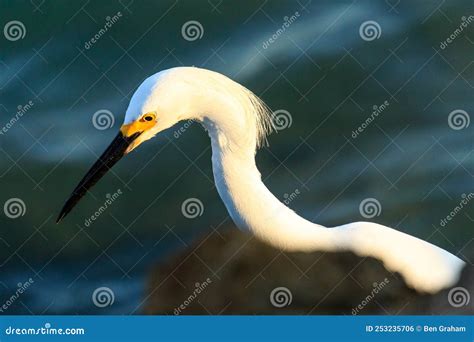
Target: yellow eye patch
[
  {"x": 148, "y": 117},
  {"x": 145, "y": 122}
]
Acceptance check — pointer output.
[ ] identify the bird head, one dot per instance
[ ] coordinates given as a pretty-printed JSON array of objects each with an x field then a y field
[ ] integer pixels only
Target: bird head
[
  {"x": 176, "y": 94},
  {"x": 154, "y": 107}
]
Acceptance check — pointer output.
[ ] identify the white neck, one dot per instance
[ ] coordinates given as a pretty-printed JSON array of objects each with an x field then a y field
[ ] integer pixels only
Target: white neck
[{"x": 252, "y": 206}]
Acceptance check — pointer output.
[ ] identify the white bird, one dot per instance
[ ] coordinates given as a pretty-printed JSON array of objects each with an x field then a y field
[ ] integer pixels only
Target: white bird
[{"x": 238, "y": 122}]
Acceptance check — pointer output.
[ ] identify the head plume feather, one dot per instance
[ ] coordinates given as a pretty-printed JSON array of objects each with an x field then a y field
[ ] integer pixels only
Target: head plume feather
[
  {"x": 262, "y": 115},
  {"x": 255, "y": 110}
]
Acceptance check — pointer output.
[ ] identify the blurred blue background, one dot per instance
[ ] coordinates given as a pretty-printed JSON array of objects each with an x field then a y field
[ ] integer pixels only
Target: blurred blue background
[{"x": 308, "y": 58}]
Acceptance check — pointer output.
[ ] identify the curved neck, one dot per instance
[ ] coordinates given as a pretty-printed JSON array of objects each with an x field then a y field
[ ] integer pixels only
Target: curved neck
[{"x": 249, "y": 202}]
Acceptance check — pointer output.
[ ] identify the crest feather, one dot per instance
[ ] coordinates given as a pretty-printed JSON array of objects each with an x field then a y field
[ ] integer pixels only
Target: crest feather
[{"x": 262, "y": 115}]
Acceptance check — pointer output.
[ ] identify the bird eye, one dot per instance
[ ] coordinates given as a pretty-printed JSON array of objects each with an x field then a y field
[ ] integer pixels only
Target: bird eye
[{"x": 148, "y": 117}]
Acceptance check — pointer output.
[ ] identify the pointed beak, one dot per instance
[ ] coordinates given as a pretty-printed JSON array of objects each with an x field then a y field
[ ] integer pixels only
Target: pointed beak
[{"x": 117, "y": 149}]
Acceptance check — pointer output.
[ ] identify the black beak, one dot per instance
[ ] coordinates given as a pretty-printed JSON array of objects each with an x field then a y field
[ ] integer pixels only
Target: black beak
[{"x": 109, "y": 158}]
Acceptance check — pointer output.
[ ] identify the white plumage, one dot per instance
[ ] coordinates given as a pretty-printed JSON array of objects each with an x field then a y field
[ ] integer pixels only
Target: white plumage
[{"x": 238, "y": 123}]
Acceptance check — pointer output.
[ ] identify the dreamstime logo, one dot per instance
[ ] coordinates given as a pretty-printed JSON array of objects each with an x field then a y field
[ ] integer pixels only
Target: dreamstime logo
[
  {"x": 370, "y": 30},
  {"x": 458, "y": 296},
  {"x": 281, "y": 119},
  {"x": 458, "y": 119},
  {"x": 14, "y": 208},
  {"x": 192, "y": 30},
  {"x": 42, "y": 330},
  {"x": 103, "y": 296},
  {"x": 370, "y": 207},
  {"x": 192, "y": 208},
  {"x": 14, "y": 30},
  {"x": 103, "y": 119},
  {"x": 280, "y": 297}
]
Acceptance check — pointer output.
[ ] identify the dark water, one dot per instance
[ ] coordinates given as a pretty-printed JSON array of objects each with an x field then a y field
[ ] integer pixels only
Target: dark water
[{"x": 307, "y": 58}]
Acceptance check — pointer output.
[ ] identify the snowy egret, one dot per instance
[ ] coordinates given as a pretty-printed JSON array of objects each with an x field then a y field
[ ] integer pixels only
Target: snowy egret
[{"x": 238, "y": 122}]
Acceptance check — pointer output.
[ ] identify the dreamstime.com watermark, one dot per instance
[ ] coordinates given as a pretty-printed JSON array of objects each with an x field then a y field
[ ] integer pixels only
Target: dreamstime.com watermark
[
  {"x": 103, "y": 297},
  {"x": 46, "y": 330},
  {"x": 370, "y": 207},
  {"x": 192, "y": 30},
  {"x": 459, "y": 297},
  {"x": 377, "y": 287},
  {"x": 281, "y": 297},
  {"x": 466, "y": 198},
  {"x": 287, "y": 21},
  {"x": 199, "y": 288},
  {"x": 370, "y": 30},
  {"x": 376, "y": 111},
  {"x": 458, "y": 119},
  {"x": 21, "y": 288},
  {"x": 192, "y": 208},
  {"x": 103, "y": 119},
  {"x": 109, "y": 22},
  {"x": 465, "y": 22},
  {"x": 14, "y": 208},
  {"x": 21, "y": 110},
  {"x": 14, "y": 30},
  {"x": 110, "y": 199},
  {"x": 281, "y": 119}
]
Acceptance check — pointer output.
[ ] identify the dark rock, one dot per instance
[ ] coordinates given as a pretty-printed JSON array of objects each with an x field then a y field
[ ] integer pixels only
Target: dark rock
[{"x": 231, "y": 272}]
